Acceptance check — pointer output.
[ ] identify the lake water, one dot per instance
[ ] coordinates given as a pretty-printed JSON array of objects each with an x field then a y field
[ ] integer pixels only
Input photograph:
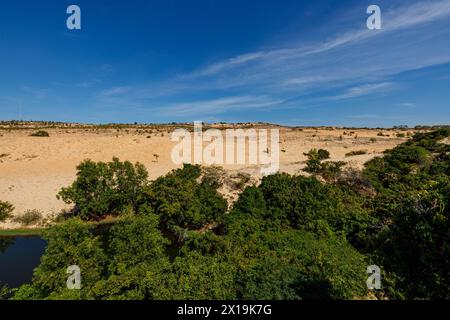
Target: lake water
[{"x": 18, "y": 257}]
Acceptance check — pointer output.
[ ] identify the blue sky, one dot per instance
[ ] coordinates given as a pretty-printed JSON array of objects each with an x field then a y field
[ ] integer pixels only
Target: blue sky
[{"x": 288, "y": 62}]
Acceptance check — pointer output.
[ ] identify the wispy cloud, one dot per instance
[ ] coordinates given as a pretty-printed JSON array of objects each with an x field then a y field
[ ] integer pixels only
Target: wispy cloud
[
  {"x": 217, "y": 106},
  {"x": 357, "y": 62},
  {"x": 407, "y": 105},
  {"x": 114, "y": 91},
  {"x": 364, "y": 90},
  {"x": 88, "y": 83}
]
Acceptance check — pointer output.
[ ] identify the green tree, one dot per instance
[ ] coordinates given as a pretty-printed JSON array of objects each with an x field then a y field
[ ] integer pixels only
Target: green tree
[
  {"x": 297, "y": 265},
  {"x": 105, "y": 188},
  {"x": 416, "y": 246},
  {"x": 135, "y": 240},
  {"x": 185, "y": 201},
  {"x": 70, "y": 243}
]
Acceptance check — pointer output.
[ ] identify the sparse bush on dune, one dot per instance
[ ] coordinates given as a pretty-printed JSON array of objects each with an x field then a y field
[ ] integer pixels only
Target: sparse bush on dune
[
  {"x": 40, "y": 133},
  {"x": 6, "y": 210},
  {"x": 29, "y": 217},
  {"x": 328, "y": 170},
  {"x": 356, "y": 153}
]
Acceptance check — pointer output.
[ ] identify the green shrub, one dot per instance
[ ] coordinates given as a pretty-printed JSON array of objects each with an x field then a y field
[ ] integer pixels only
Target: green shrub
[
  {"x": 323, "y": 154},
  {"x": 29, "y": 217},
  {"x": 412, "y": 206},
  {"x": 356, "y": 153},
  {"x": 329, "y": 170},
  {"x": 183, "y": 200},
  {"x": 314, "y": 159},
  {"x": 70, "y": 243},
  {"x": 105, "y": 188},
  {"x": 295, "y": 265},
  {"x": 415, "y": 246},
  {"x": 40, "y": 133},
  {"x": 6, "y": 210},
  {"x": 135, "y": 240},
  {"x": 299, "y": 202},
  {"x": 4, "y": 292}
]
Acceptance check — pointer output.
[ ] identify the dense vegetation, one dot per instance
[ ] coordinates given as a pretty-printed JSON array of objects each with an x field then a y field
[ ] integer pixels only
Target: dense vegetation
[{"x": 291, "y": 237}]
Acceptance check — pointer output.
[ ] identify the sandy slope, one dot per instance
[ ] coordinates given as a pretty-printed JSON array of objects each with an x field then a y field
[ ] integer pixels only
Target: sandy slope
[{"x": 33, "y": 170}]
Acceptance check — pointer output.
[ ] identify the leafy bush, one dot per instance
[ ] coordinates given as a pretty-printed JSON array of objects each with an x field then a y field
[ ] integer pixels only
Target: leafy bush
[
  {"x": 30, "y": 217},
  {"x": 328, "y": 170},
  {"x": 70, "y": 243},
  {"x": 296, "y": 265},
  {"x": 4, "y": 292},
  {"x": 134, "y": 240},
  {"x": 105, "y": 188},
  {"x": 412, "y": 206},
  {"x": 183, "y": 200},
  {"x": 331, "y": 170},
  {"x": 314, "y": 158},
  {"x": 6, "y": 210},
  {"x": 415, "y": 246},
  {"x": 40, "y": 133},
  {"x": 299, "y": 202},
  {"x": 355, "y": 153}
]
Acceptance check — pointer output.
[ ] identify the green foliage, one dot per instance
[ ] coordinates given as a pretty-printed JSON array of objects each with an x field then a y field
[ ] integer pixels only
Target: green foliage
[
  {"x": 328, "y": 170},
  {"x": 105, "y": 188},
  {"x": 296, "y": 265},
  {"x": 291, "y": 237},
  {"x": 29, "y": 217},
  {"x": 183, "y": 200},
  {"x": 314, "y": 158},
  {"x": 412, "y": 205},
  {"x": 137, "y": 260},
  {"x": 355, "y": 153},
  {"x": 416, "y": 245},
  {"x": 307, "y": 203},
  {"x": 323, "y": 154},
  {"x": 200, "y": 277},
  {"x": 134, "y": 240},
  {"x": 70, "y": 243},
  {"x": 5, "y": 292},
  {"x": 40, "y": 133},
  {"x": 6, "y": 210}
]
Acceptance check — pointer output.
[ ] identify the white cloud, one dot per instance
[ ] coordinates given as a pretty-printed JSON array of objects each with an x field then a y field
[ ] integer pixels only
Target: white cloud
[
  {"x": 114, "y": 91},
  {"x": 364, "y": 90},
  {"x": 216, "y": 106},
  {"x": 414, "y": 35},
  {"x": 407, "y": 105}
]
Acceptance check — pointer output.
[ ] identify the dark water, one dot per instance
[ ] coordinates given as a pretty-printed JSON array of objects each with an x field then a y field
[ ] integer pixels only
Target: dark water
[{"x": 18, "y": 257}]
